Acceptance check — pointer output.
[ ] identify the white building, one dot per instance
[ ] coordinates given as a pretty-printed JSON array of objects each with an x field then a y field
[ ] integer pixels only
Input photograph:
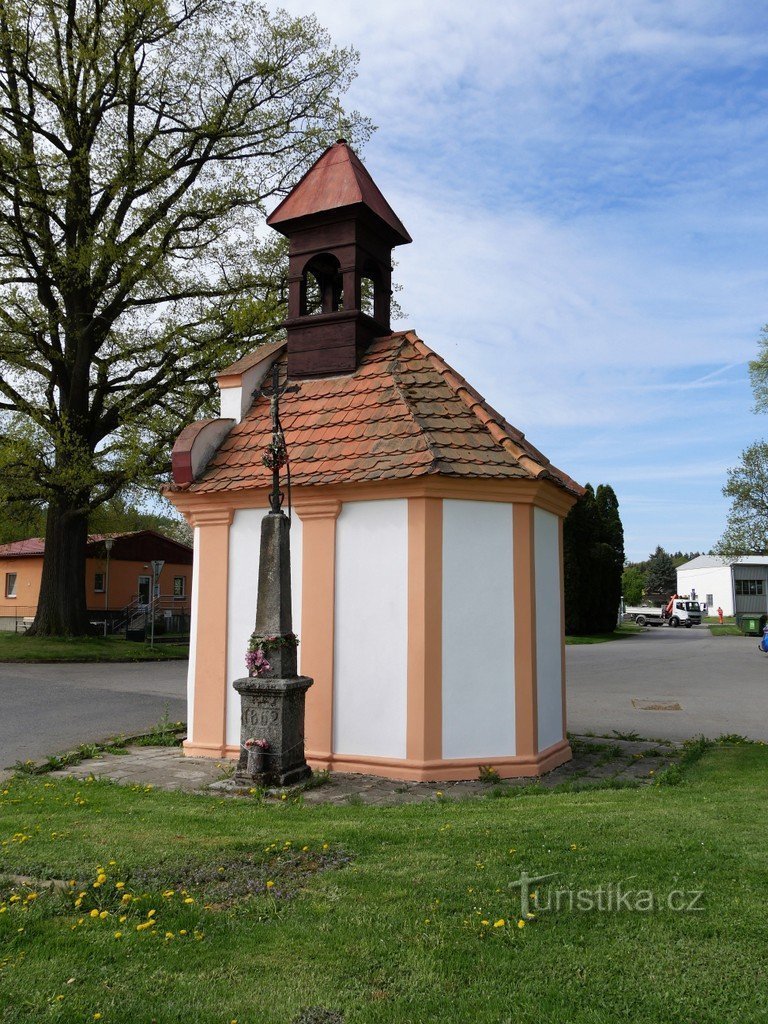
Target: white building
[{"x": 735, "y": 586}]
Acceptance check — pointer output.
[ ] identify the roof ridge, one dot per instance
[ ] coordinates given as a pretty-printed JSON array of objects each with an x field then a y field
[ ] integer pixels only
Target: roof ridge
[
  {"x": 426, "y": 434},
  {"x": 534, "y": 462}
]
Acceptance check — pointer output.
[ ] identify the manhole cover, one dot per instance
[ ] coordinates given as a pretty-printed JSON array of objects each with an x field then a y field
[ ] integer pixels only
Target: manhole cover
[{"x": 656, "y": 704}]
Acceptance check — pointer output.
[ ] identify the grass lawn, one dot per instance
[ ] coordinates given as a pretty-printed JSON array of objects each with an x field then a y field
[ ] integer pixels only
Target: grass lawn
[
  {"x": 727, "y": 629},
  {"x": 18, "y": 647},
  {"x": 400, "y": 925},
  {"x": 621, "y": 633}
]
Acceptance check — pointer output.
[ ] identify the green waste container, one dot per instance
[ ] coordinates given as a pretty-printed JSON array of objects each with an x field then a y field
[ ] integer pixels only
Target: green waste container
[{"x": 750, "y": 625}]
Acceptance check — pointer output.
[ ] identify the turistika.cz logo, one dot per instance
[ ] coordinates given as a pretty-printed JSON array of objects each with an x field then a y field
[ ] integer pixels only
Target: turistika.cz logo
[{"x": 537, "y": 895}]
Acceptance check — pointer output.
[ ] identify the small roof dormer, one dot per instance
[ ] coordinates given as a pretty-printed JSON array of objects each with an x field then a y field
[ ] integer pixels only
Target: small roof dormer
[{"x": 341, "y": 232}]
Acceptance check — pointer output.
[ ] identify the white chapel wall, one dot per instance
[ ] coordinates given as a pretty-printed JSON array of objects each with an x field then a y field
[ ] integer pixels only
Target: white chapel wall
[
  {"x": 243, "y": 582},
  {"x": 549, "y": 666},
  {"x": 371, "y": 629},
  {"x": 478, "y": 630}
]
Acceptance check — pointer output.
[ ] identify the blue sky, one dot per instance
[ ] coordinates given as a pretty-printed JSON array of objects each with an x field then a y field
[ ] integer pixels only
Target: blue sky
[{"x": 586, "y": 185}]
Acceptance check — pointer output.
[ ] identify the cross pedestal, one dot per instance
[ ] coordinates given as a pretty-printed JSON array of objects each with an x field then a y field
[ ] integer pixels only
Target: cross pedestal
[{"x": 273, "y": 709}]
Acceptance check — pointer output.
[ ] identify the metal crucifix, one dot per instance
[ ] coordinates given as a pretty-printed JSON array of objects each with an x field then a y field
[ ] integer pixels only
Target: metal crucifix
[{"x": 276, "y": 455}]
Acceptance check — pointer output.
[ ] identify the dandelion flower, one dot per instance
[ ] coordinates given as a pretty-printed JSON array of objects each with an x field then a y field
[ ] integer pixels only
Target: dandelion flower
[
  {"x": 119, "y": 885},
  {"x": 189, "y": 900},
  {"x": 500, "y": 923},
  {"x": 94, "y": 913},
  {"x": 521, "y": 923},
  {"x": 118, "y": 935},
  {"x": 270, "y": 884},
  {"x": 103, "y": 914}
]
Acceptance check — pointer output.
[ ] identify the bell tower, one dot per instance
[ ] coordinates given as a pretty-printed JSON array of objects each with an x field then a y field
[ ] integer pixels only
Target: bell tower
[{"x": 341, "y": 232}]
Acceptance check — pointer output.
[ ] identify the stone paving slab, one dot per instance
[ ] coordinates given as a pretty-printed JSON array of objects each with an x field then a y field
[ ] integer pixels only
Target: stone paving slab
[{"x": 595, "y": 759}]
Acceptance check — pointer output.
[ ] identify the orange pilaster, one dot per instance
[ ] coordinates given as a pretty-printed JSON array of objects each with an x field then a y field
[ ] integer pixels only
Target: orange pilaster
[
  {"x": 424, "y": 735},
  {"x": 210, "y": 692}
]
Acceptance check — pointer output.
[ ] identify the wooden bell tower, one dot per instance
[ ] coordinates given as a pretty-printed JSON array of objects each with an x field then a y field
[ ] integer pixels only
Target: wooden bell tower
[{"x": 341, "y": 232}]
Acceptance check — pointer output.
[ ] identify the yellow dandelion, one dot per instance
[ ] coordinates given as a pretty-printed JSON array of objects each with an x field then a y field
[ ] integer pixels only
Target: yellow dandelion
[
  {"x": 521, "y": 923},
  {"x": 94, "y": 913},
  {"x": 500, "y": 923},
  {"x": 169, "y": 935},
  {"x": 485, "y": 922},
  {"x": 103, "y": 914},
  {"x": 270, "y": 884},
  {"x": 119, "y": 885},
  {"x": 169, "y": 892},
  {"x": 189, "y": 900},
  {"x": 118, "y": 935},
  {"x": 151, "y": 913},
  {"x": 183, "y": 931}
]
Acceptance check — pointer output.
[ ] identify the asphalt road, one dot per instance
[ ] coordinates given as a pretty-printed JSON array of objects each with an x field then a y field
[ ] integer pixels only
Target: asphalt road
[
  {"x": 46, "y": 709},
  {"x": 719, "y": 683}
]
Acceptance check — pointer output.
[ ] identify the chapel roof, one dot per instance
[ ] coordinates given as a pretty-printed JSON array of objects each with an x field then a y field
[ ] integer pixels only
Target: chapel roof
[{"x": 403, "y": 413}]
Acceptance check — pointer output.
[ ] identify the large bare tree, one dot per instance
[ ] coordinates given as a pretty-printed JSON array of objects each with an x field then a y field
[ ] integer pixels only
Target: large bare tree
[{"x": 139, "y": 142}]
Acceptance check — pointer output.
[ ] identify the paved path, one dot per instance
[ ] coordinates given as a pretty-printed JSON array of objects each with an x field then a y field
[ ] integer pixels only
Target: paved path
[
  {"x": 166, "y": 768},
  {"x": 47, "y": 709},
  {"x": 720, "y": 684}
]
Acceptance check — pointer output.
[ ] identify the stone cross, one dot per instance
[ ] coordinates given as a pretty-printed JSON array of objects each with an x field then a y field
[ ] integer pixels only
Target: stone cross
[{"x": 272, "y": 702}]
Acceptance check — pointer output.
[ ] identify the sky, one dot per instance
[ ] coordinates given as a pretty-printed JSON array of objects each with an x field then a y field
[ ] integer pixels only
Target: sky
[{"x": 585, "y": 184}]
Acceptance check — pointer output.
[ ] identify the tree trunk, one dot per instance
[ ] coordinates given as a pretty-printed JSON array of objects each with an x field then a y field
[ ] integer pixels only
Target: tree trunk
[{"x": 62, "y": 609}]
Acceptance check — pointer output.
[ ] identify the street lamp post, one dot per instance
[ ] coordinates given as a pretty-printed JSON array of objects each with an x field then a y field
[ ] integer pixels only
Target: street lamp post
[
  {"x": 157, "y": 568},
  {"x": 108, "y": 542}
]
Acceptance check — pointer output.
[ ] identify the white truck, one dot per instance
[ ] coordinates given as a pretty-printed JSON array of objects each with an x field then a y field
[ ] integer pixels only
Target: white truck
[{"x": 680, "y": 610}]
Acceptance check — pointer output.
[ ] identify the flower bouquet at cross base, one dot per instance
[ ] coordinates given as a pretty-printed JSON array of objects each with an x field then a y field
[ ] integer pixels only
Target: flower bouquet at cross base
[{"x": 259, "y": 649}]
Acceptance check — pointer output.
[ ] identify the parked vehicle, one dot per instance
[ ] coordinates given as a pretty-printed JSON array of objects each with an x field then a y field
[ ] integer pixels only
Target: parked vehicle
[{"x": 679, "y": 611}]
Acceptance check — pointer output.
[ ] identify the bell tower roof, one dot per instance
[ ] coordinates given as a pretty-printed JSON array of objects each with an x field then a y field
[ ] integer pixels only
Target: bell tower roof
[{"x": 336, "y": 181}]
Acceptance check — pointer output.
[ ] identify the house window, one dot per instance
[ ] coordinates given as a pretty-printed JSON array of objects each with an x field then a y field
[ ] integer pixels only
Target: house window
[
  {"x": 10, "y": 584},
  {"x": 749, "y": 588},
  {"x": 98, "y": 582},
  {"x": 179, "y": 585}
]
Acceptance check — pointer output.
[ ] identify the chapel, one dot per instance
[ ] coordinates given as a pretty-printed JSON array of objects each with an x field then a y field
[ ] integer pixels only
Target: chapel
[{"x": 426, "y": 530}]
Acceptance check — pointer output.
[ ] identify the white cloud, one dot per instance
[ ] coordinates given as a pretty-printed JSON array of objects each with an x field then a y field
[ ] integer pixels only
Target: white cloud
[{"x": 584, "y": 183}]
